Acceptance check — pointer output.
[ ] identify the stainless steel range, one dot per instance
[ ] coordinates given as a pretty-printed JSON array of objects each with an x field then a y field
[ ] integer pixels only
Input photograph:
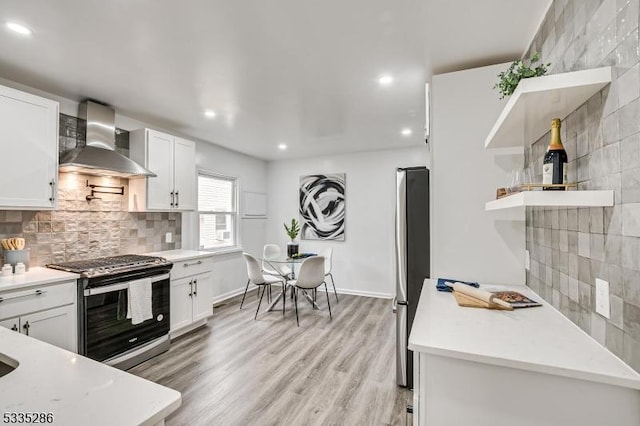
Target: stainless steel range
[{"x": 105, "y": 334}]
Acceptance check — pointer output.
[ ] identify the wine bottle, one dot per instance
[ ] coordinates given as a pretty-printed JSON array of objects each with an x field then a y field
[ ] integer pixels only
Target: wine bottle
[{"x": 554, "y": 166}]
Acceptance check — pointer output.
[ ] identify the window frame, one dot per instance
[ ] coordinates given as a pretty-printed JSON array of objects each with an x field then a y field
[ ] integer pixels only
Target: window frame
[{"x": 235, "y": 246}]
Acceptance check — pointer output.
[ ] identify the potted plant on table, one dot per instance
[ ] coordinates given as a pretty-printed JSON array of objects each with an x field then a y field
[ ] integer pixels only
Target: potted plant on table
[{"x": 292, "y": 231}]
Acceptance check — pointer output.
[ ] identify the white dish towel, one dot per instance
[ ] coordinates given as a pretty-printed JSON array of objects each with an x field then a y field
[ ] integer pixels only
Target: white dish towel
[{"x": 139, "y": 306}]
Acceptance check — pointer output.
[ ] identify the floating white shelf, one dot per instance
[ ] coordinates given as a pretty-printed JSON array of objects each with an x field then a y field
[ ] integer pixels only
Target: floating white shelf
[
  {"x": 536, "y": 101},
  {"x": 553, "y": 199}
]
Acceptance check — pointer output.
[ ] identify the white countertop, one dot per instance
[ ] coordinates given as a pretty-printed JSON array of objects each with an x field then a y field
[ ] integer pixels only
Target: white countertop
[
  {"x": 35, "y": 276},
  {"x": 77, "y": 390},
  {"x": 537, "y": 339},
  {"x": 178, "y": 255}
]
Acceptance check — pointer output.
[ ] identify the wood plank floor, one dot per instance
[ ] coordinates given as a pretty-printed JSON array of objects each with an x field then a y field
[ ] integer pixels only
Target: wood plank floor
[{"x": 237, "y": 371}]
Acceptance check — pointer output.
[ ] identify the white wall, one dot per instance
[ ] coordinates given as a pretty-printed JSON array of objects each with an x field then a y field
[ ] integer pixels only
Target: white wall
[
  {"x": 468, "y": 243},
  {"x": 230, "y": 272},
  {"x": 364, "y": 262}
]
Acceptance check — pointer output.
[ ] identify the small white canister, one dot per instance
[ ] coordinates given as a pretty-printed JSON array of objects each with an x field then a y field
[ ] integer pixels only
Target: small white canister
[
  {"x": 7, "y": 270},
  {"x": 20, "y": 268}
]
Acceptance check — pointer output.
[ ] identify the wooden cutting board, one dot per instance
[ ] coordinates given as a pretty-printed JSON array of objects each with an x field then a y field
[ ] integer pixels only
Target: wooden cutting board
[{"x": 472, "y": 302}]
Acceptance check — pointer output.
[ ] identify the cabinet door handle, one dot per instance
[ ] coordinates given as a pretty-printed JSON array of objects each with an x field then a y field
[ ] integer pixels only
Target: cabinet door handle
[
  {"x": 35, "y": 293},
  {"x": 172, "y": 197},
  {"x": 15, "y": 327},
  {"x": 26, "y": 327},
  {"x": 191, "y": 288},
  {"x": 195, "y": 293},
  {"x": 52, "y": 184},
  {"x": 199, "y": 262},
  {"x": 177, "y": 199}
]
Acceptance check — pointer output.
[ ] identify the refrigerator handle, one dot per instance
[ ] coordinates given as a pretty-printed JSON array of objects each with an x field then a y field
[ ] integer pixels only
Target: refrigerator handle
[
  {"x": 401, "y": 345},
  {"x": 401, "y": 236},
  {"x": 395, "y": 304}
]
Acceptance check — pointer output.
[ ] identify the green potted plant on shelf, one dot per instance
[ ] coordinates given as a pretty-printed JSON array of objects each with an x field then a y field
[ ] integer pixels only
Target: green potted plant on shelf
[
  {"x": 292, "y": 231},
  {"x": 518, "y": 70}
]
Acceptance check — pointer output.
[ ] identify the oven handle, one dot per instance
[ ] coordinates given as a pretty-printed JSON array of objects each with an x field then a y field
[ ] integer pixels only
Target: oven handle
[{"x": 117, "y": 287}]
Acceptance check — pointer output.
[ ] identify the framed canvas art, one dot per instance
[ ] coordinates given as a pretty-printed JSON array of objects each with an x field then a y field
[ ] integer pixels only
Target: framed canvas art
[{"x": 322, "y": 206}]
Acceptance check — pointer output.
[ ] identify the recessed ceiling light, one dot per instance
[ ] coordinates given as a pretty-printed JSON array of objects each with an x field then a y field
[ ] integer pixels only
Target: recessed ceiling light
[
  {"x": 282, "y": 146},
  {"x": 385, "y": 80},
  {"x": 20, "y": 29},
  {"x": 406, "y": 132},
  {"x": 210, "y": 113}
]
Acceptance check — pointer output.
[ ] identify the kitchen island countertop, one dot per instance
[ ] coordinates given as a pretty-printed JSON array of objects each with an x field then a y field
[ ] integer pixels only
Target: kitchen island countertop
[
  {"x": 537, "y": 339},
  {"x": 77, "y": 390}
]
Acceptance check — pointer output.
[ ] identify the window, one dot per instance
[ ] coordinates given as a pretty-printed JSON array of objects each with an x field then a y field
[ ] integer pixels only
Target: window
[{"x": 217, "y": 208}]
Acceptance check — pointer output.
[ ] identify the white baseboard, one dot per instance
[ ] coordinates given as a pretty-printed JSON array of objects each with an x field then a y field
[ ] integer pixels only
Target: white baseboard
[
  {"x": 375, "y": 294},
  {"x": 239, "y": 291},
  {"x": 231, "y": 294}
]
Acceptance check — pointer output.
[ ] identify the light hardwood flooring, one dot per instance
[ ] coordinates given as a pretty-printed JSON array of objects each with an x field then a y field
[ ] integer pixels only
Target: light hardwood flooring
[{"x": 237, "y": 371}]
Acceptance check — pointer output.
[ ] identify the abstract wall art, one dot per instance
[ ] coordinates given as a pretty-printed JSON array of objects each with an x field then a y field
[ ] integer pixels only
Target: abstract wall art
[{"x": 322, "y": 206}]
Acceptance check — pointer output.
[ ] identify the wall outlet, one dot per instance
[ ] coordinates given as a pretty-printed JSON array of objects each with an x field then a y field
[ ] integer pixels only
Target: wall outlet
[
  {"x": 527, "y": 260},
  {"x": 168, "y": 238},
  {"x": 602, "y": 298}
]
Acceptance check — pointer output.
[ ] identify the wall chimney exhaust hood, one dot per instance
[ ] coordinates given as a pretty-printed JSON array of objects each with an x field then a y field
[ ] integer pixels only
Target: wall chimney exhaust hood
[{"x": 99, "y": 157}]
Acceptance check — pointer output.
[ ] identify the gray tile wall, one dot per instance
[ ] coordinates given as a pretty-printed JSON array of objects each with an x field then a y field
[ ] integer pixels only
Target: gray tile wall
[
  {"x": 79, "y": 229},
  {"x": 570, "y": 248}
]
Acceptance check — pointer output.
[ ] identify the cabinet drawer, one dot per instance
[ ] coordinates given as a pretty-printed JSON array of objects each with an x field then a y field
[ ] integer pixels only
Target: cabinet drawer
[
  {"x": 21, "y": 302},
  {"x": 187, "y": 268}
]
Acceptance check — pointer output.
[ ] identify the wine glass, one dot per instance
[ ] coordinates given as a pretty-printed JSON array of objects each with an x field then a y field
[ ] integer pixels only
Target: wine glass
[
  {"x": 517, "y": 179},
  {"x": 527, "y": 177}
]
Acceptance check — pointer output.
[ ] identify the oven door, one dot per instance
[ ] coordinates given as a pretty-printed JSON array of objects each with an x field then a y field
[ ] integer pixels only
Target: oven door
[{"x": 108, "y": 332}]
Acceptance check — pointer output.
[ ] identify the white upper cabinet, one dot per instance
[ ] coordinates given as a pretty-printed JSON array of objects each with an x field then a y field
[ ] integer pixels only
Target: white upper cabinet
[
  {"x": 160, "y": 161},
  {"x": 173, "y": 160},
  {"x": 29, "y": 140},
  {"x": 184, "y": 174}
]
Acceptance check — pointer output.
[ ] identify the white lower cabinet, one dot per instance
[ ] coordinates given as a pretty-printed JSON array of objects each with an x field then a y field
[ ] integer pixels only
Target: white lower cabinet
[
  {"x": 47, "y": 313},
  {"x": 11, "y": 324},
  {"x": 181, "y": 303},
  {"x": 203, "y": 297},
  {"x": 52, "y": 326},
  {"x": 191, "y": 294}
]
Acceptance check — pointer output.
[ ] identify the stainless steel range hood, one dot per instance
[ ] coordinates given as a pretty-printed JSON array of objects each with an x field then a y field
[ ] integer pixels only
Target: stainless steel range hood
[{"x": 99, "y": 157}]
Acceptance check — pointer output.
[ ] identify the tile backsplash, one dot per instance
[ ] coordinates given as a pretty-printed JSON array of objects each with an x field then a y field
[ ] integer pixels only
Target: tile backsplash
[
  {"x": 572, "y": 247},
  {"x": 81, "y": 229}
]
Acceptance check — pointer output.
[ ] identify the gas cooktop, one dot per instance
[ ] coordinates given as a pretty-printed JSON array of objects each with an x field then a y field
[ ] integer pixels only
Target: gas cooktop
[{"x": 110, "y": 265}]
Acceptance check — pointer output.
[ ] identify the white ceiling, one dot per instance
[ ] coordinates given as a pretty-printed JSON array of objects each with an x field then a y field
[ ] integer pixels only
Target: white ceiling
[{"x": 299, "y": 72}]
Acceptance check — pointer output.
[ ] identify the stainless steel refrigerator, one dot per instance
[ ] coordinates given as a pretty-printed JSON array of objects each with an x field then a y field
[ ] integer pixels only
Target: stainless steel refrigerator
[{"x": 412, "y": 259}]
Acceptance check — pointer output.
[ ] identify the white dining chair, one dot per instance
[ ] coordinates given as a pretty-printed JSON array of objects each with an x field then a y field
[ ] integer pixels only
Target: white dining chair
[
  {"x": 273, "y": 252},
  {"x": 261, "y": 280},
  {"x": 327, "y": 253},
  {"x": 310, "y": 277}
]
